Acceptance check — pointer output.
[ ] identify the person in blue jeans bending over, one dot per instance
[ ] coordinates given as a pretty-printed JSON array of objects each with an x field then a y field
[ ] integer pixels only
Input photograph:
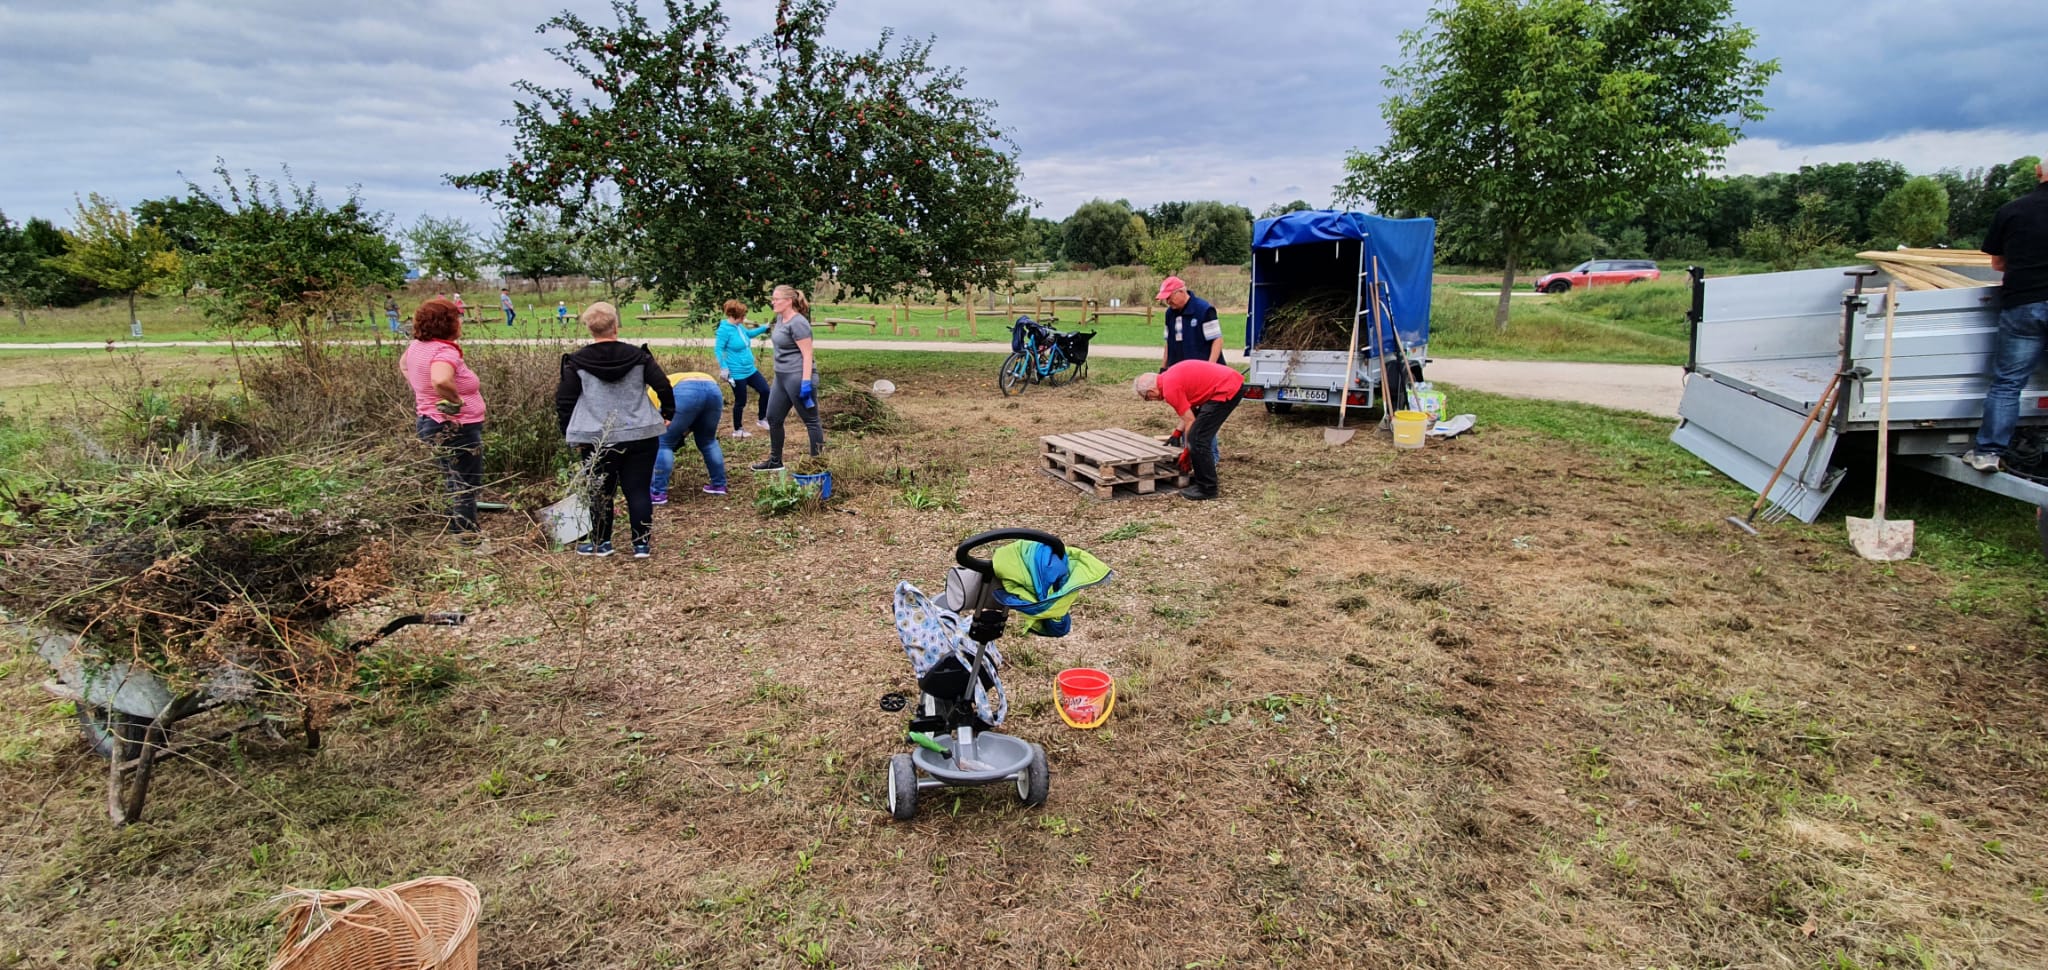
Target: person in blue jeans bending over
[
  {"x": 736, "y": 364},
  {"x": 699, "y": 403},
  {"x": 2018, "y": 244}
]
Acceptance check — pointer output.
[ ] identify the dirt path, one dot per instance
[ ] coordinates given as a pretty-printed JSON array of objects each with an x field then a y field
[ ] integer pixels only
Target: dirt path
[{"x": 1649, "y": 388}]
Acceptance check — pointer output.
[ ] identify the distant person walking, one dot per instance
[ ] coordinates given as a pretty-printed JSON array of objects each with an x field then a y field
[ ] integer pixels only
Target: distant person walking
[
  {"x": 602, "y": 406},
  {"x": 2018, "y": 244},
  {"x": 449, "y": 403},
  {"x": 505, "y": 303},
  {"x": 736, "y": 364},
  {"x": 459, "y": 305},
  {"x": 391, "y": 313},
  {"x": 562, "y": 313},
  {"x": 698, "y": 406},
  {"x": 795, "y": 376}
]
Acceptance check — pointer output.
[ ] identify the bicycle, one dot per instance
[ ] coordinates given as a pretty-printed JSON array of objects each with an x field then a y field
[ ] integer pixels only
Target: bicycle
[{"x": 1042, "y": 355}]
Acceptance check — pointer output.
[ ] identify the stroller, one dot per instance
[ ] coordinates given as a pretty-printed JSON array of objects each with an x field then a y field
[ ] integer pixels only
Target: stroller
[{"x": 951, "y": 643}]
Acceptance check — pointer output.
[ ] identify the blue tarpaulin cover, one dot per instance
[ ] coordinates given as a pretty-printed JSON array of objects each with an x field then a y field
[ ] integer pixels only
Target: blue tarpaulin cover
[{"x": 1405, "y": 248}]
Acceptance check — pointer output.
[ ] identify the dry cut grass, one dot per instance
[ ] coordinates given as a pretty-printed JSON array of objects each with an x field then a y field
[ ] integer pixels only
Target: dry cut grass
[{"x": 1499, "y": 703}]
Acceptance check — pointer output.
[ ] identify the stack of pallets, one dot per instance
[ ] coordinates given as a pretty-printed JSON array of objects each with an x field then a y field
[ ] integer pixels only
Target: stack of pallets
[{"x": 1111, "y": 463}]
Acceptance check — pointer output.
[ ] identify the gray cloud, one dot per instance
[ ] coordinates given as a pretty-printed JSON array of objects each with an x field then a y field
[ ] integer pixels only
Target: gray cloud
[{"x": 1249, "y": 102}]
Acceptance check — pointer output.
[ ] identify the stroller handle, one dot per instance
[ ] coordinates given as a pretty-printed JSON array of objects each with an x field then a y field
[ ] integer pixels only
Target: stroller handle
[{"x": 964, "y": 552}]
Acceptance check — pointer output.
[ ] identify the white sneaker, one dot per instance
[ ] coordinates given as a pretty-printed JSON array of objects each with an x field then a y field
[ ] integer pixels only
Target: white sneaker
[
  {"x": 758, "y": 423},
  {"x": 742, "y": 433}
]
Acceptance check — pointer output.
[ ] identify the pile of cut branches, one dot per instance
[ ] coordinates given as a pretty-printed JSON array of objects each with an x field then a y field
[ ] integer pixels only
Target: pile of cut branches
[
  {"x": 195, "y": 567},
  {"x": 848, "y": 409},
  {"x": 1313, "y": 320}
]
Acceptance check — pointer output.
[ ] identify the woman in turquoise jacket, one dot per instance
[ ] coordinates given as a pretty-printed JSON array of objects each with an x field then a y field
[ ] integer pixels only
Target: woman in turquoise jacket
[{"x": 736, "y": 364}]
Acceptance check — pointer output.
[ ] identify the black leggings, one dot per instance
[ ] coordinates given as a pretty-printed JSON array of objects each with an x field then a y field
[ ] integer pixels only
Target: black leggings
[
  {"x": 628, "y": 467},
  {"x": 739, "y": 397},
  {"x": 781, "y": 399}
]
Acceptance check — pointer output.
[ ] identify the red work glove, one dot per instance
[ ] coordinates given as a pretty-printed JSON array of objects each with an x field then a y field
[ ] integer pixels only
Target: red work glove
[{"x": 1186, "y": 461}]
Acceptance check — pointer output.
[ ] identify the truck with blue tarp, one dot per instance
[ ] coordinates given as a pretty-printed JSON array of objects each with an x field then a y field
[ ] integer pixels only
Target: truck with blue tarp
[{"x": 1332, "y": 293}]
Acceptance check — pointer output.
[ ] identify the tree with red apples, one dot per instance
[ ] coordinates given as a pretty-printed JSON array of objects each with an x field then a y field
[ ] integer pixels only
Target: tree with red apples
[{"x": 738, "y": 166}]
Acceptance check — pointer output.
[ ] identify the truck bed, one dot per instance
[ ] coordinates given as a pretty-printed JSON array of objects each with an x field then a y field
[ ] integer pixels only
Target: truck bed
[{"x": 1766, "y": 346}]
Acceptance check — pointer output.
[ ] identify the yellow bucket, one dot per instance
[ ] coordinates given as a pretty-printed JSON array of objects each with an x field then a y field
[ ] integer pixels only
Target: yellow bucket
[{"x": 1408, "y": 428}]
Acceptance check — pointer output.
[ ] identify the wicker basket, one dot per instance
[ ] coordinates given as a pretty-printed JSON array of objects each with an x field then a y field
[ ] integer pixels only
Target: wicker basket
[{"x": 425, "y": 924}]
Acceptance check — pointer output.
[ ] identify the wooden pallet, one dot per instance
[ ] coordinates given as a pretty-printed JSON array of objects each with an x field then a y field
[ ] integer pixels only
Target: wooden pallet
[{"x": 1111, "y": 463}]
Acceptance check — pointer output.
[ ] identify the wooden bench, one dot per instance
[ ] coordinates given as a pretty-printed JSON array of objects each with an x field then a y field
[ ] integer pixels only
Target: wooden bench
[
  {"x": 832, "y": 323},
  {"x": 1123, "y": 312}
]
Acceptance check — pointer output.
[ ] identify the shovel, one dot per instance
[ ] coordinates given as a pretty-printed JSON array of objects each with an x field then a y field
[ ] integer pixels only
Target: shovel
[
  {"x": 1875, "y": 538},
  {"x": 1340, "y": 434}
]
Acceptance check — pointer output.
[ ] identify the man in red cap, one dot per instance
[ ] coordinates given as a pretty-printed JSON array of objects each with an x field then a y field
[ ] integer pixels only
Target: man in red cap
[
  {"x": 1203, "y": 394},
  {"x": 1192, "y": 330}
]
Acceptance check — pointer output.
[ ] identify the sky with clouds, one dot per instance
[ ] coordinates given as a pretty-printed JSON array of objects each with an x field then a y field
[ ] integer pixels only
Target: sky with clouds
[{"x": 1248, "y": 101}]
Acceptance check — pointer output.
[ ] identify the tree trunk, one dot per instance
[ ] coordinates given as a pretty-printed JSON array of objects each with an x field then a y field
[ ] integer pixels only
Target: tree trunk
[
  {"x": 21, "y": 315},
  {"x": 1507, "y": 287},
  {"x": 131, "y": 312}
]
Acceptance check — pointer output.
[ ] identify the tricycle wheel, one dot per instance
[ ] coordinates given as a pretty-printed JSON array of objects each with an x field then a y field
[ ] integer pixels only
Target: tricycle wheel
[
  {"x": 902, "y": 788},
  {"x": 1035, "y": 779},
  {"x": 105, "y": 730}
]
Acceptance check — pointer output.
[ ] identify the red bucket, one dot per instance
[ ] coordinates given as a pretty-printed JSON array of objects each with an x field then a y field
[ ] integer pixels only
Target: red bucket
[{"x": 1085, "y": 696}]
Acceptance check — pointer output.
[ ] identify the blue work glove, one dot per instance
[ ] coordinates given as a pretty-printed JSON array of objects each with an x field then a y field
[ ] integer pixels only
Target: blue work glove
[{"x": 808, "y": 394}]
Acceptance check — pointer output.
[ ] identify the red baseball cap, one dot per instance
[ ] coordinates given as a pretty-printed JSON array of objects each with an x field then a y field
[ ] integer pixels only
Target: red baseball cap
[{"x": 1171, "y": 284}]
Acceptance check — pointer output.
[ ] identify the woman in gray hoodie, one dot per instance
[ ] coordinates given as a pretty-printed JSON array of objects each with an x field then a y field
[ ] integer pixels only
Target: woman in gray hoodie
[{"x": 603, "y": 407}]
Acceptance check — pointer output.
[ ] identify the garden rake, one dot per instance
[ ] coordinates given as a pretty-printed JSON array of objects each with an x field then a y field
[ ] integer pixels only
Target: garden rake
[{"x": 1778, "y": 511}]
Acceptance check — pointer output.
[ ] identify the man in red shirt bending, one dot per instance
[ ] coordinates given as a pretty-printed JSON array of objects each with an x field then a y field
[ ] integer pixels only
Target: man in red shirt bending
[{"x": 1203, "y": 394}]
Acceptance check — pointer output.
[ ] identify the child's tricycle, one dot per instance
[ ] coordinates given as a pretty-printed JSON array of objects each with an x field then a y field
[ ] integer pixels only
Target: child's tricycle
[{"x": 951, "y": 643}]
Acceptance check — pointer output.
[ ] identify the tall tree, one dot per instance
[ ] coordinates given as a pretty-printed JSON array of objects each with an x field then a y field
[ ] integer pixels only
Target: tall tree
[
  {"x": 26, "y": 280},
  {"x": 1101, "y": 233},
  {"x": 743, "y": 165},
  {"x": 1219, "y": 233},
  {"x": 533, "y": 243},
  {"x": 1540, "y": 113},
  {"x": 1915, "y": 213},
  {"x": 1283, "y": 208},
  {"x": 281, "y": 259},
  {"x": 106, "y": 246},
  {"x": 445, "y": 249}
]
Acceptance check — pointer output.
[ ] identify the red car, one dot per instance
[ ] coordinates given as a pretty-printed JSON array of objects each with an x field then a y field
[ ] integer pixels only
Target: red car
[{"x": 1598, "y": 272}]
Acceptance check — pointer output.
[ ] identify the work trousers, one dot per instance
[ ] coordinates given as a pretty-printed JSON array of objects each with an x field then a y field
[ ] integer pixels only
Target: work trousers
[
  {"x": 1209, "y": 417},
  {"x": 627, "y": 467},
  {"x": 459, "y": 450}
]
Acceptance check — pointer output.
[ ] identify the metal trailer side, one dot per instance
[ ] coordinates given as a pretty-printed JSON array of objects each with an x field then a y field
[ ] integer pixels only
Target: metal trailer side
[{"x": 1765, "y": 346}]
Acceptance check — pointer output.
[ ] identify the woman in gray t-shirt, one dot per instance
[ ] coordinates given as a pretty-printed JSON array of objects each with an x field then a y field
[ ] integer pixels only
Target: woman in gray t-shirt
[{"x": 795, "y": 371}]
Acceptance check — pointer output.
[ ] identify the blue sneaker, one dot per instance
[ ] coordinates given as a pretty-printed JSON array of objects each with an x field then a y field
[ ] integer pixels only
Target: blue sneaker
[
  {"x": 594, "y": 549},
  {"x": 641, "y": 550}
]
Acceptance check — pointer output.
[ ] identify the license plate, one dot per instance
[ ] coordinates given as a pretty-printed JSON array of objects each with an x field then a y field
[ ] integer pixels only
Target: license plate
[{"x": 1308, "y": 394}]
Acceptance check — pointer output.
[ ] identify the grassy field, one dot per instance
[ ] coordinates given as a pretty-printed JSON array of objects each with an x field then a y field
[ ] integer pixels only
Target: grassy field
[
  {"x": 1640, "y": 324},
  {"x": 1516, "y": 700}
]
